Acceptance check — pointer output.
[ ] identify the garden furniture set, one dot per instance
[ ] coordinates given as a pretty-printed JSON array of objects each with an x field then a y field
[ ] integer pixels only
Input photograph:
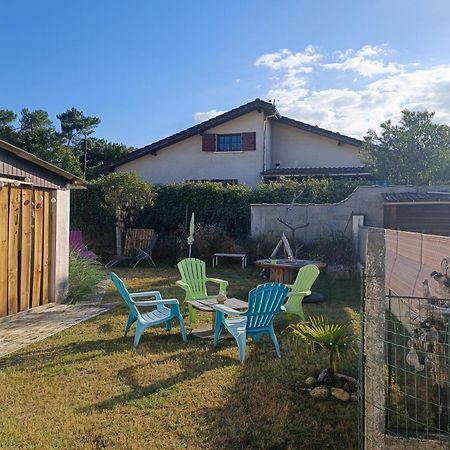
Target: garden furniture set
[{"x": 240, "y": 319}]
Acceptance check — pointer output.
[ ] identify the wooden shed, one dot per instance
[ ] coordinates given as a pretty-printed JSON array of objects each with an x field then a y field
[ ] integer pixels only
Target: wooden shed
[
  {"x": 427, "y": 212},
  {"x": 34, "y": 230}
]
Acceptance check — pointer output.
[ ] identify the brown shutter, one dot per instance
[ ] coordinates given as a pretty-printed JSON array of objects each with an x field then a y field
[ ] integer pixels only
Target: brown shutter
[
  {"x": 208, "y": 142},
  {"x": 248, "y": 141}
]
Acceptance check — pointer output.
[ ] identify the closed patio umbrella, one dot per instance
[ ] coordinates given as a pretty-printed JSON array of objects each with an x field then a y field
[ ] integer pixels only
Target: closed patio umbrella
[{"x": 191, "y": 234}]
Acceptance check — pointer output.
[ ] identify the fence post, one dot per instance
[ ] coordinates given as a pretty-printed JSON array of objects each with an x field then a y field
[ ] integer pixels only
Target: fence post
[{"x": 374, "y": 302}]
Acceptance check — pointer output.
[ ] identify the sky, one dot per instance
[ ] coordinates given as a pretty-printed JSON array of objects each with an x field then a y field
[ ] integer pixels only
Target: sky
[{"x": 151, "y": 68}]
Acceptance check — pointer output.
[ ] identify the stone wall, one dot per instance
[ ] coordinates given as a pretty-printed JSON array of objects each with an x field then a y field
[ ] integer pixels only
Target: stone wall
[{"x": 325, "y": 219}]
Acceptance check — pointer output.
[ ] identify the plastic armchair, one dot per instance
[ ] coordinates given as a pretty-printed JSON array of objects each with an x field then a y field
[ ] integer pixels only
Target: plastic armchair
[
  {"x": 194, "y": 282},
  {"x": 166, "y": 310},
  {"x": 264, "y": 303}
]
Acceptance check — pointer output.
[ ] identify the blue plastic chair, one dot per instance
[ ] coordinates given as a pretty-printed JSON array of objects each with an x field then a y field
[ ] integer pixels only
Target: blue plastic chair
[
  {"x": 264, "y": 303},
  {"x": 166, "y": 310}
]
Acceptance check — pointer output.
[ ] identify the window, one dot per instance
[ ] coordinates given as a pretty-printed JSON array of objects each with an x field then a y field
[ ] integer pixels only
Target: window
[
  {"x": 224, "y": 182},
  {"x": 229, "y": 143}
]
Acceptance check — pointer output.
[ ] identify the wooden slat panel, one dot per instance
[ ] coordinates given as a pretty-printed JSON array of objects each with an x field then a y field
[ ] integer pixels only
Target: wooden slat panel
[
  {"x": 13, "y": 250},
  {"x": 37, "y": 247},
  {"x": 25, "y": 256},
  {"x": 4, "y": 204},
  {"x": 45, "y": 248}
]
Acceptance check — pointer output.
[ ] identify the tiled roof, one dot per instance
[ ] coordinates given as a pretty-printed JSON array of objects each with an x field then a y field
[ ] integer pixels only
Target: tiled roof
[
  {"x": 317, "y": 171},
  {"x": 416, "y": 197},
  {"x": 256, "y": 104},
  {"x": 321, "y": 131}
]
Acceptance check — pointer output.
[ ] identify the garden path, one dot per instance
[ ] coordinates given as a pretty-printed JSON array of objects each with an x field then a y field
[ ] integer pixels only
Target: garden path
[{"x": 24, "y": 328}]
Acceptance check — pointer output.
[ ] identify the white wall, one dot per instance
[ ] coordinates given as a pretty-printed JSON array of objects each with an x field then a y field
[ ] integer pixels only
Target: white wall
[
  {"x": 292, "y": 147},
  {"x": 328, "y": 218},
  {"x": 185, "y": 160}
]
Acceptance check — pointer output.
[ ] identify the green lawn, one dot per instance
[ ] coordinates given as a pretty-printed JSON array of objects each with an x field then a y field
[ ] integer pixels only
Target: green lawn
[{"x": 87, "y": 387}]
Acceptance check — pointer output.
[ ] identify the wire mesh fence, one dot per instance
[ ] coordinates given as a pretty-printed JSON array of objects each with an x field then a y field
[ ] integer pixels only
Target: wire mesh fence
[{"x": 417, "y": 368}]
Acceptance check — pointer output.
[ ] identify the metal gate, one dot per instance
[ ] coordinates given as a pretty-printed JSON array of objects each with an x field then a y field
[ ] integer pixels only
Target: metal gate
[
  {"x": 405, "y": 347},
  {"x": 25, "y": 240}
]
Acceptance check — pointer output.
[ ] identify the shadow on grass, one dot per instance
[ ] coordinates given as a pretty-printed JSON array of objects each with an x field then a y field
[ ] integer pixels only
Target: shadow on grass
[{"x": 191, "y": 367}]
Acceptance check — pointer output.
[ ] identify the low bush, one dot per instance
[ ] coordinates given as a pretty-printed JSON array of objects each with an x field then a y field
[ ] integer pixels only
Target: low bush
[
  {"x": 335, "y": 249},
  {"x": 85, "y": 278}
]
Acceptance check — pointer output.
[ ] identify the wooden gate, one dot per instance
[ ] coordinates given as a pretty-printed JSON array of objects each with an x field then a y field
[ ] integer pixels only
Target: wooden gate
[{"x": 25, "y": 231}]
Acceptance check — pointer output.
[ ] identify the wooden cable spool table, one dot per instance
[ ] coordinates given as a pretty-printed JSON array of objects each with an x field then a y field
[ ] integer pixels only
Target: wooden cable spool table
[{"x": 284, "y": 271}]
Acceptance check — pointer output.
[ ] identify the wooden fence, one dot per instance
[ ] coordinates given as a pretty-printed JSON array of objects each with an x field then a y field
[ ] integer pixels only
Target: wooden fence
[{"x": 25, "y": 240}]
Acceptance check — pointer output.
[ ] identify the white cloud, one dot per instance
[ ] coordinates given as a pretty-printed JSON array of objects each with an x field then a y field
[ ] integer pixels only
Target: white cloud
[
  {"x": 384, "y": 88},
  {"x": 287, "y": 60},
  {"x": 202, "y": 116},
  {"x": 367, "y": 61}
]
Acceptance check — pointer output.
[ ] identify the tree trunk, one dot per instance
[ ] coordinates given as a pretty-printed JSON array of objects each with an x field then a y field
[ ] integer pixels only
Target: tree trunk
[
  {"x": 85, "y": 155},
  {"x": 118, "y": 240}
]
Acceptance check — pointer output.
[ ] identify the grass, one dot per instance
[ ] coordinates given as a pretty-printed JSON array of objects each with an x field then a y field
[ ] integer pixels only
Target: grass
[{"x": 88, "y": 388}]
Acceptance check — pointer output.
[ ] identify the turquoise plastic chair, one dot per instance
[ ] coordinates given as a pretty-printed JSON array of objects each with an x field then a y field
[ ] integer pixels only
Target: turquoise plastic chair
[
  {"x": 264, "y": 303},
  {"x": 166, "y": 310}
]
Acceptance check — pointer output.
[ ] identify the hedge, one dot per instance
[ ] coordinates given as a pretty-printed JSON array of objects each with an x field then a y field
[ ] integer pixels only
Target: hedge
[{"x": 225, "y": 206}]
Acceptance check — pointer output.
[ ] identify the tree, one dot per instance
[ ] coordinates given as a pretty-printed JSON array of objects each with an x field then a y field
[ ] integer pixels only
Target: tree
[
  {"x": 73, "y": 123},
  {"x": 101, "y": 151},
  {"x": 7, "y": 130},
  {"x": 416, "y": 151},
  {"x": 125, "y": 195}
]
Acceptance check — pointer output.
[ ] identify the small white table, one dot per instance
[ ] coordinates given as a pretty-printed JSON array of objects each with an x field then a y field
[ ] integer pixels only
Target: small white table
[{"x": 241, "y": 256}]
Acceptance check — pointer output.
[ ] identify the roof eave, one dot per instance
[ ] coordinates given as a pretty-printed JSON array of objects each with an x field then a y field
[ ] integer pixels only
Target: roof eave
[{"x": 73, "y": 179}]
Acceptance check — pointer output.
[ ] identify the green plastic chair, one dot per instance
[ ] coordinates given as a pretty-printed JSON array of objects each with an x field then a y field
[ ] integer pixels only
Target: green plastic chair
[
  {"x": 193, "y": 282},
  {"x": 306, "y": 277}
]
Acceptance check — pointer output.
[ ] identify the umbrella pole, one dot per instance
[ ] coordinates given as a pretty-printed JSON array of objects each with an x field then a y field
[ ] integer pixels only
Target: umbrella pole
[{"x": 190, "y": 248}]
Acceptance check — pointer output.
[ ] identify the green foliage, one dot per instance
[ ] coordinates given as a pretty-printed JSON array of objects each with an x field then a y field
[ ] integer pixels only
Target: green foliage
[
  {"x": 229, "y": 206},
  {"x": 318, "y": 335},
  {"x": 225, "y": 207},
  {"x": 416, "y": 151},
  {"x": 85, "y": 278},
  {"x": 89, "y": 213},
  {"x": 335, "y": 248},
  {"x": 126, "y": 194},
  {"x": 71, "y": 149}
]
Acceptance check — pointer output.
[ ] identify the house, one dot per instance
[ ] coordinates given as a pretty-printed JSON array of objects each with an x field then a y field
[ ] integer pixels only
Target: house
[
  {"x": 34, "y": 230},
  {"x": 248, "y": 144}
]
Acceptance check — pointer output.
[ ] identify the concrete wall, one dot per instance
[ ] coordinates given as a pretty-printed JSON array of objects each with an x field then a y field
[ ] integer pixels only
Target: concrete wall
[
  {"x": 292, "y": 147},
  {"x": 59, "y": 276},
  {"x": 186, "y": 161},
  {"x": 324, "y": 219}
]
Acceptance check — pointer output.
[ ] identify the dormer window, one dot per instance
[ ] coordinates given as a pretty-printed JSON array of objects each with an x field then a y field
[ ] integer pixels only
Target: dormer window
[{"x": 229, "y": 142}]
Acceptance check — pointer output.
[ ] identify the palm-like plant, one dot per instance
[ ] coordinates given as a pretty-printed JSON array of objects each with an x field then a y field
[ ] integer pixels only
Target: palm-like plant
[{"x": 316, "y": 335}]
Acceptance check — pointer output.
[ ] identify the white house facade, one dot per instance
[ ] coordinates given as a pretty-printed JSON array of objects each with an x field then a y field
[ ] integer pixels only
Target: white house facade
[{"x": 248, "y": 144}]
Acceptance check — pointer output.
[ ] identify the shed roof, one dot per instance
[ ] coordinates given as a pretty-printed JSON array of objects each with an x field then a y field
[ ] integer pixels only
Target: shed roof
[
  {"x": 416, "y": 197},
  {"x": 27, "y": 163}
]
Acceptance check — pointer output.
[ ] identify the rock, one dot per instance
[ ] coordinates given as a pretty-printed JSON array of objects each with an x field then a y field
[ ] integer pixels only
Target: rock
[
  {"x": 319, "y": 392},
  {"x": 310, "y": 382},
  {"x": 325, "y": 377},
  {"x": 340, "y": 394},
  {"x": 354, "y": 397}
]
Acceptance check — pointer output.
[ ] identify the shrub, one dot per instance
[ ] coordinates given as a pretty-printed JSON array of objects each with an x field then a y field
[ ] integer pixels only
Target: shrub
[
  {"x": 85, "y": 278},
  {"x": 227, "y": 207},
  {"x": 335, "y": 249}
]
